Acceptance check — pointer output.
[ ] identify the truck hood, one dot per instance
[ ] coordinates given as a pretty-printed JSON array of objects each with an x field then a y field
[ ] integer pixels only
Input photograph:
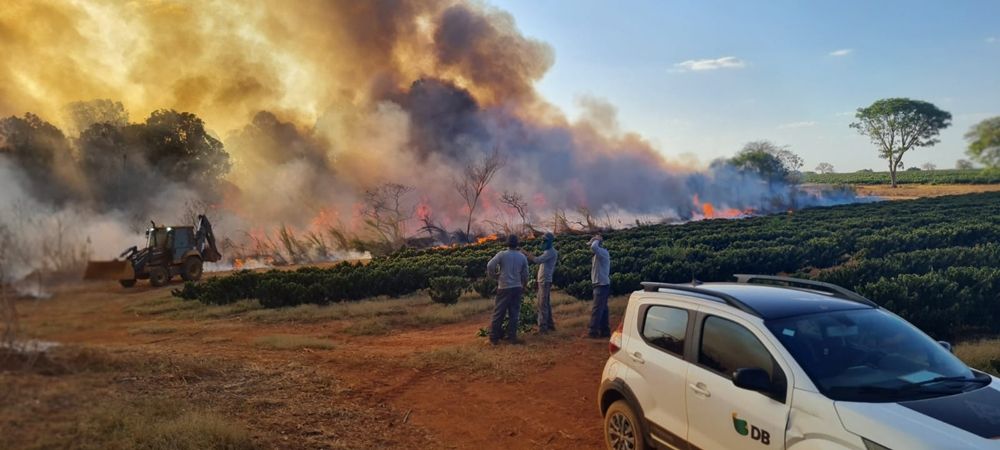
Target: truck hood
[{"x": 967, "y": 420}]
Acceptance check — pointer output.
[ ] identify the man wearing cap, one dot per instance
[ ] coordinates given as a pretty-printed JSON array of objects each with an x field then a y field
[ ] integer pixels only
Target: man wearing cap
[
  {"x": 511, "y": 268},
  {"x": 546, "y": 266}
]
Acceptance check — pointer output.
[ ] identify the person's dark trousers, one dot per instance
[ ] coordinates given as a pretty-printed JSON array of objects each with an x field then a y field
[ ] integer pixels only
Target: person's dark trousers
[
  {"x": 508, "y": 303},
  {"x": 600, "y": 325},
  {"x": 545, "y": 307}
]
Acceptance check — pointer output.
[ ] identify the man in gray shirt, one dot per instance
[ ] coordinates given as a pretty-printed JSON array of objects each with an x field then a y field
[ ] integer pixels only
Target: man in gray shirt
[
  {"x": 511, "y": 268},
  {"x": 600, "y": 277},
  {"x": 546, "y": 266}
]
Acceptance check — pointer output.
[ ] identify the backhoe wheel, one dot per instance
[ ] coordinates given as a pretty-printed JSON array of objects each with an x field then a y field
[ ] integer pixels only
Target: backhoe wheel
[
  {"x": 127, "y": 283},
  {"x": 158, "y": 276},
  {"x": 622, "y": 430},
  {"x": 192, "y": 269}
]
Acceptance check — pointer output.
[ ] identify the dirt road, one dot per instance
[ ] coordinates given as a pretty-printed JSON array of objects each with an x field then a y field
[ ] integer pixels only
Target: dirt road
[{"x": 367, "y": 377}]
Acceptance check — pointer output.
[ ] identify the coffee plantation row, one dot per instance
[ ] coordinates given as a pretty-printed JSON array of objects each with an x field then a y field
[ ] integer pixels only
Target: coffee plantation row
[
  {"x": 948, "y": 176},
  {"x": 935, "y": 261}
]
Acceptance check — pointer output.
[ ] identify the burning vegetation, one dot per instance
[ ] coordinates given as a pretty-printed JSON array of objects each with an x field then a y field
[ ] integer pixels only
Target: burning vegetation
[{"x": 332, "y": 127}]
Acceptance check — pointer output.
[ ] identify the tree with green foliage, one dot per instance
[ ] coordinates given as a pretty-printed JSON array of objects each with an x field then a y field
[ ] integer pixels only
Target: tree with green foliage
[
  {"x": 43, "y": 154},
  {"x": 964, "y": 164},
  {"x": 772, "y": 162},
  {"x": 178, "y": 145},
  {"x": 984, "y": 142},
  {"x": 897, "y": 125}
]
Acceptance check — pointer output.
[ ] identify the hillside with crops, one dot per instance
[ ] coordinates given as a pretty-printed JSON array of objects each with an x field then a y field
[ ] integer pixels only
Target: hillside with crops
[
  {"x": 947, "y": 176},
  {"x": 934, "y": 261}
]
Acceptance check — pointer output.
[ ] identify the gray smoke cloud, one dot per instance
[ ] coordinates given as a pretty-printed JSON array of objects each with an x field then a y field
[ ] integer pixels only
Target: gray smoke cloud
[{"x": 279, "y": 116}]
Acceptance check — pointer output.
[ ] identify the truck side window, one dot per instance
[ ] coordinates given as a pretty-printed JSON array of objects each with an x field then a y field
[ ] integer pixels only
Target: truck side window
[
  {"x": 665, "y": 328},
  {"x": 727, "y": 346}
]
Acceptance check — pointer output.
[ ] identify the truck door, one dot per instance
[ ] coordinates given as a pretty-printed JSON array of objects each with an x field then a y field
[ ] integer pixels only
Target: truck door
[
  {"x": 721, "y": 415},
  {"x": 657, "y": 357}
]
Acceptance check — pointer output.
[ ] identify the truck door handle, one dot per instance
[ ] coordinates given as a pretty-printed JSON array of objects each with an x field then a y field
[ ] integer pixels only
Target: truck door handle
[
  {"x": 700, "y": 390},
  {"x": 637, "y": 357}
]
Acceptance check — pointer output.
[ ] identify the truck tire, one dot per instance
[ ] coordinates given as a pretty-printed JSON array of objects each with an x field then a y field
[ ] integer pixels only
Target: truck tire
[
  {"x": 127, "y": 283},
  {"x": 191, "y": 269},
  {"x": 622, "y": 429},
  {"x": 158, "y": 276}
]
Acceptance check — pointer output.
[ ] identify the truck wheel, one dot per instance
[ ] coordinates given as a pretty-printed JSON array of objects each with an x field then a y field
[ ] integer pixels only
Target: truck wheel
[
  {"x": 158, "y": 276},
  {"x": 127, "y": 283},
  {"x": 192, "y": 269},
  {"x": 622, "y": 430}
]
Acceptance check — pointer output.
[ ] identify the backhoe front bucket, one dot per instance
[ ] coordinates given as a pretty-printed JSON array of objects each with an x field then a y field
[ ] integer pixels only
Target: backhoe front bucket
[{"x": 109, "y": 270}]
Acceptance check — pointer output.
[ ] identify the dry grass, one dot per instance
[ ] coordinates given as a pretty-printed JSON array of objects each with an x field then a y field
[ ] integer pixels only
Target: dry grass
[
  {"x": 982, "y": 354},
  {"x": 152, "y": 329},
  {"x": 158, "y": 424},
  {"x": 504, "y": 362},
  {"x": 292, "y": 342},
  {"x": 910, "y": 191},
  {"x": 422, "y": 313}
]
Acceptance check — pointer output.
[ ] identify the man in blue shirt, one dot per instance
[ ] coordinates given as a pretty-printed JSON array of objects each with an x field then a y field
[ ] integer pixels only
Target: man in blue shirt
[
  {"x": 546, "y": 267},
  {"x": 511, "y": 269}
]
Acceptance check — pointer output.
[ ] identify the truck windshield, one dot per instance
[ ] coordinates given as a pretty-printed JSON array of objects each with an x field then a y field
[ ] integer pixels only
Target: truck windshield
[{"x": 869, "y": 355}]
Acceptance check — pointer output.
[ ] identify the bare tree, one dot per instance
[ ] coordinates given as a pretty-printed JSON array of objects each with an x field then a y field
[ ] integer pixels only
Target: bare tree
[
  {"x": 964, "y": 164},
  {"x": 824, "y": 167},
  {"x": 516, "y": 202},
  {"x": 587, "y": 221},
  {"x": 929, "y": 166},
  {"x": 8, "y": 311},
  {"x": 385, "y": 211},
  {"x": 474, "y": 180}
]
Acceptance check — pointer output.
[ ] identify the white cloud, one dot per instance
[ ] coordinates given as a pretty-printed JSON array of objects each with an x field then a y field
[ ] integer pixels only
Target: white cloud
[
  {"x": 842, "y": 52},
  {"x": 991, "y": 40},
  {"x": 698, "y": 65},
  {"x": 804, "y": 124}
]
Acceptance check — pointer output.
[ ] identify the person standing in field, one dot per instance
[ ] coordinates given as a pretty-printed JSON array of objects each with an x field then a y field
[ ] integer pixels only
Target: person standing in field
[
  {"x": 511, "y": 269},
  {"x": 546, "y": 266},
  {"x": 600, "y": 277}
]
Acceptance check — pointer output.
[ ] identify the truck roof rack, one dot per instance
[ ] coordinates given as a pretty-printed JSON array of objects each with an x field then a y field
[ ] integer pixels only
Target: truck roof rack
[
  {"x": 650, "y": 286},
  {"x": 836, "y": 291}
]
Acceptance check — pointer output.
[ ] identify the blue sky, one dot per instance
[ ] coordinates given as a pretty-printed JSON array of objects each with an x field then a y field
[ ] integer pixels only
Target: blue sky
[{"x": 702, "y": 78}]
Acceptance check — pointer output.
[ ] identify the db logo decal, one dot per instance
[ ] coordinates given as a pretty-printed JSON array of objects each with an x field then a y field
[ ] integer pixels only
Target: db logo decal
[{"x": 745, "y": 429}]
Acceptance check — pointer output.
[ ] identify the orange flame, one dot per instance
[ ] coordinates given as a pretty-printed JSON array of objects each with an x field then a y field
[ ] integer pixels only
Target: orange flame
[
  {"x": 709, "y": 211},
  {"x": 486, "y": 239}
]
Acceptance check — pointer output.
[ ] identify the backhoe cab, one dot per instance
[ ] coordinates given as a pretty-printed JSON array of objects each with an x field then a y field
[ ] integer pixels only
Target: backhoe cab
[{"x": 169, "y": 252}]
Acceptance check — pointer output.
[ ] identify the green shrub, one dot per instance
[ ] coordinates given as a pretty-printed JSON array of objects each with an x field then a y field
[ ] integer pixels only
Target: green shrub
[
  {"x": 190, "y": 291},
  {"x": 486, "y": 287},
  {"x": 526, "y": 320},
  {"x": 447, "y": 289},
  {"x": 581, "y": 290}
]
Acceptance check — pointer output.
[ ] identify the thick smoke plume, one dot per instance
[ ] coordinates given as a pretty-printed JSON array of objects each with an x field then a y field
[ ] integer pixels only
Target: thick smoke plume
[{"x": 277, "y": 115}]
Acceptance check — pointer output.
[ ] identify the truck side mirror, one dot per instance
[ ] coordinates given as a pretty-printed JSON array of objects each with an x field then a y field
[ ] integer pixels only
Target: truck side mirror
[
  {"x": 946, "y": 345},
  {"x": 753, "y": 379}
]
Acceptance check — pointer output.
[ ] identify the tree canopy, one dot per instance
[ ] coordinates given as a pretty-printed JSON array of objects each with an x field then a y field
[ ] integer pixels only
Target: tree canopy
[
  {"x": 770, "y": 161},
  {"x": 824, "y": 167},
  {"x": 897, "y": 125},
  {"x": 984, "y": 142}
]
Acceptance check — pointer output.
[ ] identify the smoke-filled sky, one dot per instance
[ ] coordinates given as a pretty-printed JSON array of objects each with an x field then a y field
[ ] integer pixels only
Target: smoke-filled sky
[
  {"x": 297, "y": 109},
  {"x": 795, "y": 74}
]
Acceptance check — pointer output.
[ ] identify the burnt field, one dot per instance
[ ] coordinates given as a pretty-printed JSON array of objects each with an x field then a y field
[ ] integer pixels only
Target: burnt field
[{"x": 366, "y": 368}]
